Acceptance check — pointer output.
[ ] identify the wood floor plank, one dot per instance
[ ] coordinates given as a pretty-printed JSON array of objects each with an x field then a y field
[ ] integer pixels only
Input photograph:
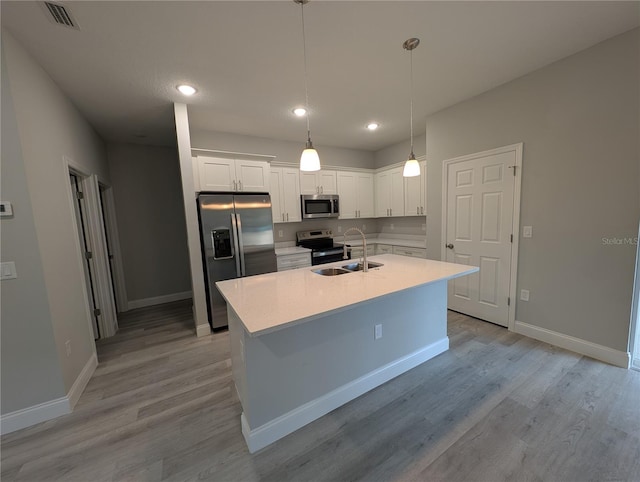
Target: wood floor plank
[{"x": 497, "y": 406}]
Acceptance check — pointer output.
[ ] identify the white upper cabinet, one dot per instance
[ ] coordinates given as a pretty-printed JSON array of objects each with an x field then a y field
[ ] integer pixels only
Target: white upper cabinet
[
  {"x": 285, "y": 195},
  {"x": 415, "y": 193},
  {"x": 236, "y": 175},
  {"x": 318, "y": 182},
  {"x": 356, "y": 194},
  {"x": 389, "y": 188}
]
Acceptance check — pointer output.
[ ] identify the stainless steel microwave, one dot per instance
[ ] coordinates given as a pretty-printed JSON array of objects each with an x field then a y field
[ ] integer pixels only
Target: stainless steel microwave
[{"x": 320, "y": 206}]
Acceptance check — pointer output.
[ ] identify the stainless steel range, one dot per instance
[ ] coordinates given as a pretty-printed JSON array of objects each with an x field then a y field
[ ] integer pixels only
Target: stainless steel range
[{"x": 320, "y": 242}]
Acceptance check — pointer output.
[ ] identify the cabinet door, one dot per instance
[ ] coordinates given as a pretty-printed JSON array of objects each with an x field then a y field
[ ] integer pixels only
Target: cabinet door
[
  {"x": 252, "y": 176},
  {"x": 397, "y": 192},
  {"x": 347, "y": 186},
  {"x": 291, "y": 195},
  {"x": 276, "y": 194},
  {"x": 308, "y": 183},
  {"x": 364, "y": 192},
  {"x": 423, "y": 187},
  {"x": 383, "y": 193},
  {"x": 216, "y": 174},
  {"x": 413, "y": 195},
  {"x": 327, "y": 180}
]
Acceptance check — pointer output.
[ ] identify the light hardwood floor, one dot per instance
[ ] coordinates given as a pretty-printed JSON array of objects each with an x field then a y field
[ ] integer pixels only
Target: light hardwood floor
[{"x": 497, "y": 406}]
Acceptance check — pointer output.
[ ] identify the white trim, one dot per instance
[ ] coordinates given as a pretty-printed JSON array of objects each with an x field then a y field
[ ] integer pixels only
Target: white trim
[
  {"x": 291, "y": 421},
  {"x": 515, "y": 219},
  {"x": 52, "y": 409},
  {"x": 81, "y": 382},
  {"x": 203, "y": 330},
  {"x": 158, "y": 300},
  {"x": 32, "y": 415},
  {"x": 232, "y": 153},
  {"x": 593, "y": 350},
  {"x": 634, "y": 318},
  {"x": 114, "y": 238}
]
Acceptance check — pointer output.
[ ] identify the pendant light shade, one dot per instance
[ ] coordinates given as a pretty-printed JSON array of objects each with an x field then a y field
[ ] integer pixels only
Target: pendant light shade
[
  {"x": 411, "y": 167},
  {"x": 309, "y": 160}
]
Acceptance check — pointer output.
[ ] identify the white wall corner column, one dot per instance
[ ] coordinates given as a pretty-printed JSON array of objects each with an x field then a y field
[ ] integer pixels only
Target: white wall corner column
[{"x": 190, "y": 211}]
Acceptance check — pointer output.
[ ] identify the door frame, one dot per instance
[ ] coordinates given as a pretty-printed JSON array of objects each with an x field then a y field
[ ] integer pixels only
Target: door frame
[
  {"x": 109, "y": 207},
  {"x": 107, "y": 321},
  {"x": 515, "y": 222}
]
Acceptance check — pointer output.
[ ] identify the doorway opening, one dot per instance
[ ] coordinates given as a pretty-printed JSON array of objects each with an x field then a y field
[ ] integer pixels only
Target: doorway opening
[{"x": 634, "y": 333}]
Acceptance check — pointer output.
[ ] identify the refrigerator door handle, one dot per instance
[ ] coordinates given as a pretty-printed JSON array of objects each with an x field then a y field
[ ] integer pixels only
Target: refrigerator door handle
[
  {"x": 241, "y": 250},
  {"x": 234, "y": 226}
]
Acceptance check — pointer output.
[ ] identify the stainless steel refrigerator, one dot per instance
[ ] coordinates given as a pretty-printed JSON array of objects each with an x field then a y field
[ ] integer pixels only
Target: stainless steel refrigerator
[{"x": 237, "y": 240}]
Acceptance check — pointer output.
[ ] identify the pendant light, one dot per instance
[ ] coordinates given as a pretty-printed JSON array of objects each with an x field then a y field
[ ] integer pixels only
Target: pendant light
[
  {"x": 309, "y": 160},
  {"x": 411, "y": 167}
]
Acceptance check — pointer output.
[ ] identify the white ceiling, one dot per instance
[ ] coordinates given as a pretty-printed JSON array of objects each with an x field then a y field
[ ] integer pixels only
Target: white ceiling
[{"x": 245, "y": 58}]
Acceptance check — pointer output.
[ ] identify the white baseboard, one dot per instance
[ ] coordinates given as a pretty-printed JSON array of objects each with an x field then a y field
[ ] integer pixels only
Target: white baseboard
[
  {"x": 158, "y": 300},
  {"x": 31, "y": 415},
  {"x": 203, "y": 330},
  {"x": 291, "y": 421},
  {"x": 81, "y": 382},
  {"x": 52, "y": 409},
  {"x": 593, "y": 350}
]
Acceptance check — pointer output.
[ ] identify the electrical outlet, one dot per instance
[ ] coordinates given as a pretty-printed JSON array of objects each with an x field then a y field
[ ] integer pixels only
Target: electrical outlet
[
  {"x": 364, "y": 227},
  {"x": 424, "y": 227},
  {"x": 524, "y": 295},
  {"x": 67, "y": 344},
  {"x": 339, "y": 229},
  {"x": 527, "y": 231},
  {"x": 280, "y": 233},
  {"x": 377, "y": 332},
  {"x": 391, "y": 226}
]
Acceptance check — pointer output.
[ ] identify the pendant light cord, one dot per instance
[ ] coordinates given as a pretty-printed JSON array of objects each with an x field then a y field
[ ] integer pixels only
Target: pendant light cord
[
  {"x": 306, "y": 88},
  {"x": 411, "y": 94}
]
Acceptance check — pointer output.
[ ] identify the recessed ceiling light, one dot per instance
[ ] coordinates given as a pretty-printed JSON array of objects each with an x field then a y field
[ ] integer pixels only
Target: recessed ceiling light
[
  {"x": 186, "y": 89},
  {"x": 300, "y": 111},
  {"x": 373, "y": 126}
]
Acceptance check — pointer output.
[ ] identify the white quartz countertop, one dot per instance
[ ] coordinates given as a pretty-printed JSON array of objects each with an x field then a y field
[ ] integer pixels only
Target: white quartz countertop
[
  {"x": 270, "y": 302},
  {"x": 291, "y": 250},
  {"x": 410, "y": 243}
]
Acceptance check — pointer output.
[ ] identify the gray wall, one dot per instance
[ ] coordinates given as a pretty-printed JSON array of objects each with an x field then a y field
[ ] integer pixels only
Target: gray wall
[
  {"x": 30, "y": 370},
  {"x": 49, "y": 128},
  {"x": 151, "y": 223},
  {"x": 283, "y": 150},
  {"x": 400, "y": 152},
  {"x": 578, "y": 120}
]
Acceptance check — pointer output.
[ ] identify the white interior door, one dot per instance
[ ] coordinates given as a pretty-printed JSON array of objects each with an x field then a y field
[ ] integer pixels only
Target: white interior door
[{"x": 480, "y": 229}]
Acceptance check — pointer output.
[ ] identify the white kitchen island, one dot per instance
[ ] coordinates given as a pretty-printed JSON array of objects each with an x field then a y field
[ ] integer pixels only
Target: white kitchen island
[{"x": 303, "y": 344}]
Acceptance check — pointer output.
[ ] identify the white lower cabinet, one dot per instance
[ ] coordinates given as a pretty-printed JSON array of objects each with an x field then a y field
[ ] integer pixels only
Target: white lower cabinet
[
  {"x": 413, "y": 252},
  {"x": 293, "y": 261},
  {"x": 358, "y": 252},
  {"x": 384, "y": 249}
]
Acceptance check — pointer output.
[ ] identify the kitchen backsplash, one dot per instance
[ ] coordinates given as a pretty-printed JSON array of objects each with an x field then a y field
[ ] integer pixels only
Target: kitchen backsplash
[{"x": 414, "y": 225}]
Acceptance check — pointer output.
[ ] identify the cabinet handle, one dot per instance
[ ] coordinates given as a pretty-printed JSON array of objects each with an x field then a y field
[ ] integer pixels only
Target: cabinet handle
[
  {"x": 240, "y": 185},
  {"x": 287, "y": 216},
  {"x": 321, "y": 189},
  {"x": 391, "y": 211},
  {"x": 234, "y": 185},
  {"x": 283, "y": 217}
]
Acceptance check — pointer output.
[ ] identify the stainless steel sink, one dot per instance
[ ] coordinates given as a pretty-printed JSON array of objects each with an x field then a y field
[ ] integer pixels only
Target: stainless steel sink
[
  {"x": 360, "y": 266},
  {"x": 330, "y": 271}
]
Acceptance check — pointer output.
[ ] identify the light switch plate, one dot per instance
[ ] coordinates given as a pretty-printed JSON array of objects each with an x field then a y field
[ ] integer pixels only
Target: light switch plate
[
  {"x": 6, "y": 210},
  {"x": 527, "y": 231},
  {"x": 378, "y": 332},
  {"x": 524, "y": 295},
  {"x": 8, "y": 270}
]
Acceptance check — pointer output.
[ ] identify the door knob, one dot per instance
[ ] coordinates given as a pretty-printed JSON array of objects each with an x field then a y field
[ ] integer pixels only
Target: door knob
[{"x": 450, "y": 246}]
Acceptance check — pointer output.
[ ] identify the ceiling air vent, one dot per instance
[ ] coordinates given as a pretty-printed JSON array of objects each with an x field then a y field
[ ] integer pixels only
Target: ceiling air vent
[{"x": 61, "y": 15}]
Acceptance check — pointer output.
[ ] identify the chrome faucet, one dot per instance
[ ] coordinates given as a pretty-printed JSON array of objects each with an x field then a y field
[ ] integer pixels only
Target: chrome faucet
[{"x": 364, "y": 248}]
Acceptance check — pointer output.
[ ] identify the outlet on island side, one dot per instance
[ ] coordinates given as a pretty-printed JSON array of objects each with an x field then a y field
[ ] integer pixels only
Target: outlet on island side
[
  {"x": 377, "y": 331},
  {"x": 280, "y": 233}
]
